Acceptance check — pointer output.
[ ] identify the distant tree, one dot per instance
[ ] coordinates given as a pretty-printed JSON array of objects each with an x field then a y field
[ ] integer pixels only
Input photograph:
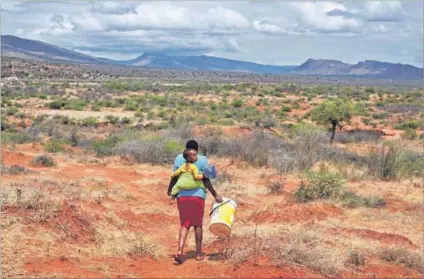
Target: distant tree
[{"x": 333, "y": 112}]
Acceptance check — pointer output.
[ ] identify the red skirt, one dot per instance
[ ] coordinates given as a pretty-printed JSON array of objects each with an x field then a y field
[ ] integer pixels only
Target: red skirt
[{"x": 191, "y": 211}]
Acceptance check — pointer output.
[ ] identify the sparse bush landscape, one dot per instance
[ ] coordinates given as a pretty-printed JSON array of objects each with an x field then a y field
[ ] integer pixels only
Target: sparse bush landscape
[{"x": 85, "y": 167}]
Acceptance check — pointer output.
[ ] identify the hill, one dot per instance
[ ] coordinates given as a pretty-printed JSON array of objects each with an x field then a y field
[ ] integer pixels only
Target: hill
[{"x": 16, "y": 47}]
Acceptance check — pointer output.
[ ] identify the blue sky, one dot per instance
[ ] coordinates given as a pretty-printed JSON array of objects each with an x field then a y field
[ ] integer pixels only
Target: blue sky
[{"x": 268, "y": 32}]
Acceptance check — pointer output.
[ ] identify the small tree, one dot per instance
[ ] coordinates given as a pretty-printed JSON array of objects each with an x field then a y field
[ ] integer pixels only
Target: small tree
[{"x": 334, "y": 112}]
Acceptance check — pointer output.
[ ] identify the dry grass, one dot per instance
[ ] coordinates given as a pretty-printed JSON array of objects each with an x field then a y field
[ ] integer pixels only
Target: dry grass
[
  {"x": 285, "y": 244},
  {"x": 402, "y": 256},
  {"x": 355, "y": 258},
  {"x": 306, "y": 246},
  {"x": 117, "y": 243},
  {"x": 275, "y": 187}
]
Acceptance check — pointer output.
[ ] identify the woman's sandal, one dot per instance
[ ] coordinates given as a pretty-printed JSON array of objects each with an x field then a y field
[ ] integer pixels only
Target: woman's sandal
[{"x": 179, "y": 258}]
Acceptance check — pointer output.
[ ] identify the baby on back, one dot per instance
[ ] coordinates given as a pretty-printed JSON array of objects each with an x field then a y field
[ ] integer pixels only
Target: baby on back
[{"x": 189, "y": 175}]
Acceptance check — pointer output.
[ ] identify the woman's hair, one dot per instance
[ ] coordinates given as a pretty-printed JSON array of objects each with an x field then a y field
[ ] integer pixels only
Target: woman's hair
[{"x": 192, "y": 144}]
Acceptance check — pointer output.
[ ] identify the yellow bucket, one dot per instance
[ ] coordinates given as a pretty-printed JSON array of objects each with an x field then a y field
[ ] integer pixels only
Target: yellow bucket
[{"x": 222, "y": 217}]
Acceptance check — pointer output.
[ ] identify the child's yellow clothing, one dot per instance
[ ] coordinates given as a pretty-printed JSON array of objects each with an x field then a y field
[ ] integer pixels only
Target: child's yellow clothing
[{"x": 189, "y": 178}]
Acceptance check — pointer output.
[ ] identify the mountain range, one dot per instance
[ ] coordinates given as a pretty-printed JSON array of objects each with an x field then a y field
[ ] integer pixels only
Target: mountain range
[{"x": 16, "y": 47}]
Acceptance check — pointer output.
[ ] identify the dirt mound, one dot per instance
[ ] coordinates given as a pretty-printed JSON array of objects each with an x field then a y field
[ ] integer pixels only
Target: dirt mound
[
  {"x": 74, "y": 226},
  {"x": 10, "y": 158},
  {"x": 146, "y": 220},
  {"x": 296, "y": 213},
  {"x": 388, "y": 238}
]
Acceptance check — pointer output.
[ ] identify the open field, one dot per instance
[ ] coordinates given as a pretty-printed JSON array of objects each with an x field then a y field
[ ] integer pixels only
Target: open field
[{"x": 85, "y": 169}]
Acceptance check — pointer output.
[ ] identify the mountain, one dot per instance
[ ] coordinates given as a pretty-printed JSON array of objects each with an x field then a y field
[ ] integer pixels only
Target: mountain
[
  {"x": 12, "y": 46},
  {"x": 204, "y": 63},
  {"x": 367, "y": 68}
]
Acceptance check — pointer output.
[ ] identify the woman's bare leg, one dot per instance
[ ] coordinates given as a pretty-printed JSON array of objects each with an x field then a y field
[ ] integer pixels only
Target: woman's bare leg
[
  {"x": 182, "y": 239},
  {"x": 198, "y": 233}
]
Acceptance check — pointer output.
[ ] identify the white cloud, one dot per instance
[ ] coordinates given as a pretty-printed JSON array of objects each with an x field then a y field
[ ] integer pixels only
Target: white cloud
[
  {"x": 267, "y": 26},
  {"x": 162, "y": 16},
  {"x": 318, "y": 17},
  {"x": 112, "y": 8},
  {"x": 252, "y": 32},
  {"x": 381, "y": 28},
  {"x": 384, "y": 10}
]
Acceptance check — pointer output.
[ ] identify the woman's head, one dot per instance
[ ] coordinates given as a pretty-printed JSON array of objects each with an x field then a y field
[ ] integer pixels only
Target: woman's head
[
  {"x": 192, "y": 144},
  {"x": 190, "y": 155}
]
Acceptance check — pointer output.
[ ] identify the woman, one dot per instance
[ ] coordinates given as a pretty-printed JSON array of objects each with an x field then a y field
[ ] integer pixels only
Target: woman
[{"x": 191, "y": 204}]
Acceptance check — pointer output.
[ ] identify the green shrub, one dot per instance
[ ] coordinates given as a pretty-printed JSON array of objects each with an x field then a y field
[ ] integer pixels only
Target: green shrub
[
  {"x": 112, "y": 119},
  {"x": 43, "y": 160},
  {"x": 226, "y": 122},
  {"x": 390, "y": 162},
  {"x": 105, "y": 147},
  {"x": 130, "y": 105},
  {"x": 237, "y": 103},
  {"x": 75, "y": 104},
  {"x": 95, "y": 107},
  {"x": 12, "y": 110},
  {"x": 352, "y": 200},
  {"x": 380, "y": 115},
  {"x": 327, "y": 185},
  {"x": 11, "y": 137},
  {"x": 412, "y": 124},
  {"x": 410, "y": 134},
  {"x": 54, "y": 145},
  {"x": 126, "y": 120},
  {"x": 57, "y": 104},
  {"x": 319, "y": 185},
  {"x": 286, "y": 109},
  {"x": 90, "y": 121}
]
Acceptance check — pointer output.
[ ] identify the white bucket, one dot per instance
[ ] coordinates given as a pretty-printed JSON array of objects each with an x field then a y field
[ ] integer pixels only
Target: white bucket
[{"x": 222, "y": 217}]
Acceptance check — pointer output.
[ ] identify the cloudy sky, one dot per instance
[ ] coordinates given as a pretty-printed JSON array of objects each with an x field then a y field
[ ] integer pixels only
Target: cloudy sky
[{"x": 268, "y": 32}]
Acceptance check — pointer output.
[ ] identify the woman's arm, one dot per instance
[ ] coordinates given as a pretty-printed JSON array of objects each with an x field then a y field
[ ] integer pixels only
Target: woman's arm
[
  {"x": 171, "y": 184},
  {"x": 208, "y": 185}
]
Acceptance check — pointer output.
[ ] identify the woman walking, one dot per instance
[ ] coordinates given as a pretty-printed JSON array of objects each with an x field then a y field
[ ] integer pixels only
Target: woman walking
[{"x": 191, "y": 204}]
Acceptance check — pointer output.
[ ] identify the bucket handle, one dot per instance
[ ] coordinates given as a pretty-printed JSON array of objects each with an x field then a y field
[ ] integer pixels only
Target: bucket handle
[{"x": 221, "y": 204}]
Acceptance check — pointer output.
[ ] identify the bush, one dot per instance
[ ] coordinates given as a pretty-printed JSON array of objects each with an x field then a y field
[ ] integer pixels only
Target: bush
[
  {"x": 352, "y": 200},
  {"x": 412, "y": 124},
  {"x": 383, "y": 162},
  {"x": 226, "y": 122},
  {"x": 355, "y": 258},
  {"x": 147, "y": 151},
  {"x": 74, "y": 137},
  {"x": 380, "y": 115},
  {"x": 319, "y": 185},
  {"x": 237, "y": 103},
  {"x": 274, "y": 187},
  {"x": 21, "y": 137},
  {"x": 54, "y": 145},
  {"x": 105, "y": 147},
  {"x": 410, "y": 134},
  {"x": 112, "y": 119},
  {"x": 358, "y": 136},
  {"x": 13, "y": 170},
  {"x": 401, "y": 256},
  {"x": 12, "y": 110},
  {"x": 57, "y": 104},
  {"x": 43, "y": 160},
  {"x": 90, "y": 121},
  {"x": 75, "y": 104}
]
